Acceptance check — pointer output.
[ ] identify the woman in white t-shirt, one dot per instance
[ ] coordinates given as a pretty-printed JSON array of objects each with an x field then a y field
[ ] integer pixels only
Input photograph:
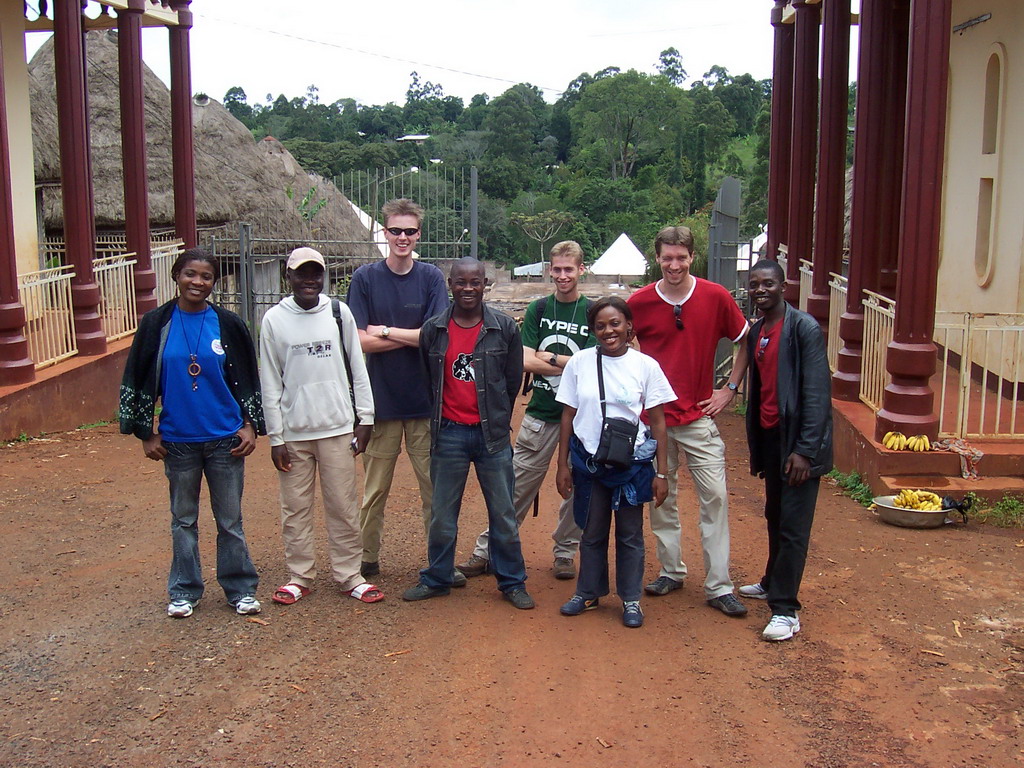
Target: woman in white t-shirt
[{"x": 633, "y": 382}]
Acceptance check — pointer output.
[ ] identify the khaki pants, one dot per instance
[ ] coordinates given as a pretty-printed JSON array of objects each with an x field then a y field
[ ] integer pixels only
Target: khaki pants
[
  {"x": 535, "y": 445},
  {"x": 702, "y": 444},
  {"x": 379, "y": 471},
  {"x": 332, "y": 456}
]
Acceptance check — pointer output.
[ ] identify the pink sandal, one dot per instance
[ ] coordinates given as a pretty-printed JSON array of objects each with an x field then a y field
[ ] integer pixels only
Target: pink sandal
[
  {"x": 288, "y": 594},
  {"x": 367, "y": 593}
]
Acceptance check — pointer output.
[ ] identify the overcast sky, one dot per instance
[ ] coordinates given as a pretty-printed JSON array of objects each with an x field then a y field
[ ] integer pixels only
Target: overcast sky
[{"x": 366, "y": 50}]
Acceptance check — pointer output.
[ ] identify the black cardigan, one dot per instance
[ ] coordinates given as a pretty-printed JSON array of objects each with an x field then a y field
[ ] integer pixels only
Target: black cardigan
[
  {"x": 804, "y": 393},
  {"x": 140, "y": 384}
]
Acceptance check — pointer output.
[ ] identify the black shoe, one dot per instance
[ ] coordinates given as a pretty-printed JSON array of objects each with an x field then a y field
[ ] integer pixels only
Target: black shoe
[
  {"x": 662, "y": 586},
  {"x": 369, "y": 569},
  {"x": 458, "y": 578},
  {"x": 728, "y": 604},
  {"x": 632, "y": 616},
  {"x": 423, "y": 592},
  {"x": 521, "y": 599}
]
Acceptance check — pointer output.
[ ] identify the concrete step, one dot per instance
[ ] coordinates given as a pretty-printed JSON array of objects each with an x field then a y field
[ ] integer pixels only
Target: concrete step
[{"x": 992, "y": 487}]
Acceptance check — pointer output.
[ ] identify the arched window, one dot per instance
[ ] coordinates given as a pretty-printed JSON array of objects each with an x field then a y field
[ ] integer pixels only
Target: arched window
[{"x": 988, "y": 181}]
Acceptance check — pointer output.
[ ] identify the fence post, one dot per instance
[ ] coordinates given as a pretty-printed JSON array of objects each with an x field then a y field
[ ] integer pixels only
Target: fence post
[
  {"x": 473, "y": 213},
  {"x": 245, "y": 272}
]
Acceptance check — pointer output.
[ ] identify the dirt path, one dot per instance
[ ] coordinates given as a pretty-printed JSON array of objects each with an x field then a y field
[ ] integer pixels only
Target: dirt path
[{"x": 912, "y": 652}]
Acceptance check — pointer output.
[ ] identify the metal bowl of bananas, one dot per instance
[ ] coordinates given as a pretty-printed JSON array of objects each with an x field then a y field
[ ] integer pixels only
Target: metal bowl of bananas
[{"x": 912, "y": 509}]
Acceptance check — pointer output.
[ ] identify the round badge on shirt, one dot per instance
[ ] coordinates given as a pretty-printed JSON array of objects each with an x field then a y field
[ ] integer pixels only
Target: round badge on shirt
[{"x": 217, "y": 347}]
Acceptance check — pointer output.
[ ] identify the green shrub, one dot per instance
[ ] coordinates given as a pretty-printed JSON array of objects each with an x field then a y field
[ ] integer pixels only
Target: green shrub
[{"x": 853, "y": 486}]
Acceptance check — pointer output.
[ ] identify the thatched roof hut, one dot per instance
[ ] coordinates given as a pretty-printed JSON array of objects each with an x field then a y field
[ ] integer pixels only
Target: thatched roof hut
[{"x": 237, "y": 178}]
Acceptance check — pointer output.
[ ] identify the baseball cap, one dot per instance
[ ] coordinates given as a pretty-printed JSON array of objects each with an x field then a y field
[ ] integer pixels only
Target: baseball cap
[{"x": 300, "y": 256}]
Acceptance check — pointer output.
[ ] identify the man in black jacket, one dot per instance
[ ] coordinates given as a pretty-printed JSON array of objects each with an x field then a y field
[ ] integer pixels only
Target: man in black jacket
[
  {"x": 789, "y": 432},
  {"x": 474, "y": 356}
]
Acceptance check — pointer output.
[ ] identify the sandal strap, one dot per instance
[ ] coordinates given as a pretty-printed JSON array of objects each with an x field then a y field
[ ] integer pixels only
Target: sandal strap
[{"x": 294, "y": 590}]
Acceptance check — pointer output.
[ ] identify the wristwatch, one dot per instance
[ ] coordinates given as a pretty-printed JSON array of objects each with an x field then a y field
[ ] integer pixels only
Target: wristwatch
[
  {"x": 385, "y": 332},
  {"x": 660, "y": 476},
  {"x": 732, "y": 387},
  {"x": 554, "y": 360}
]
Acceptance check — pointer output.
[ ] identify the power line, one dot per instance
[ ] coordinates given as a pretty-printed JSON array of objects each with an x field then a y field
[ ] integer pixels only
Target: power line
[{"x": 352, "y": 49}]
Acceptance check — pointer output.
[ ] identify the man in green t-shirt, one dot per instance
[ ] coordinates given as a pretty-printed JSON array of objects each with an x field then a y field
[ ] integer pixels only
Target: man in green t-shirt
[{"x": 555, "y": 328}]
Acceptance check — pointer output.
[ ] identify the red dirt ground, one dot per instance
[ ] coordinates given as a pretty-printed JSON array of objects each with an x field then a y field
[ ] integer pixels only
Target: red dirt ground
[{"x": 912, "y": 652}]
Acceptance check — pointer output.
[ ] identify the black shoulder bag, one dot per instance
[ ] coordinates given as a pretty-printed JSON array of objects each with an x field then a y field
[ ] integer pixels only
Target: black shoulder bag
[
  {"x": 336, "y": 309},
  {"x": 618, "y": 436}
]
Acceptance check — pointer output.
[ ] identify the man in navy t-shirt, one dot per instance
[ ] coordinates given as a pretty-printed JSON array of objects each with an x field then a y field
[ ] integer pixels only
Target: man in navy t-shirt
[{"x": 390, "y": 299}]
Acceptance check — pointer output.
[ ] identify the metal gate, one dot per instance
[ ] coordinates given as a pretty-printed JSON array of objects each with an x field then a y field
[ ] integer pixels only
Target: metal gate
[{"x": 252, "y": 264}]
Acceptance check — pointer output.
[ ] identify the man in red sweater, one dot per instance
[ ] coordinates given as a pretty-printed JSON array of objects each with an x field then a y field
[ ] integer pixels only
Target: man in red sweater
[{"x": 679, "y": 321}]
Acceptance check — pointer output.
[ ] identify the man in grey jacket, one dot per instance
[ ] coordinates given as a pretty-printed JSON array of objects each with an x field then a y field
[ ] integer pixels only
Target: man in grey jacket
[
  {"x": 474, "y": 356},
  {"x": 789, "y": 432}
]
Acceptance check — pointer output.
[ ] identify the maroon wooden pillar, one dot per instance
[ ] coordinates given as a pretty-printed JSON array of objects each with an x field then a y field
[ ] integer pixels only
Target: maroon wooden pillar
[
  {"x": 800, "y": 229},
  {"x": 15, "y": 365},
  {"x": 830, "y": 208},
  {"x": 881, "y": 82},
  {"x": 890, "y": 190},
  {"x": 781, "y": 132},
  {"x": 182, "y": 155},
  {"x": 76, "y": 180},
  {"x": 133, "y": 152},
  {"x": 907, "y": 404}
]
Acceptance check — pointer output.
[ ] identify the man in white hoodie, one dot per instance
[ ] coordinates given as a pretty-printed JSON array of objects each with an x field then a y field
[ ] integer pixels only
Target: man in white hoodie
[{"x": 319, "y": 410}]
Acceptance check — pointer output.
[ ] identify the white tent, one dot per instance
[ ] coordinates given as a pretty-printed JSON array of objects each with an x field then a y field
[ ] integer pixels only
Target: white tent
[
  {"x": 621, "y": 258},
  {"x": 536, "y": 269}
]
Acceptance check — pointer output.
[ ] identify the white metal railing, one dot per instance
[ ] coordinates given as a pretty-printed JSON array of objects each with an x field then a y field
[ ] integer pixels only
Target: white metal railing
[
  {"x": 117, "y": 294},
  {"x": 162, "y": 257},
  {"x": 836, "y": 308},
  {"x": 806, "y": 283},
  {"x": 54, "y": 250},
  {"x": 981, "y": 387},
  {"x": 879, "y": 314},
  {"x": 783, "y": 257},
  {"x": 49, "y": 320}
]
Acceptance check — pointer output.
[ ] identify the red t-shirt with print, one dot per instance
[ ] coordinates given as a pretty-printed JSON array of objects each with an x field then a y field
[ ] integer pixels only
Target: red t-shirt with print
[
  {"x": 766, "y": 358},
  {"x": 687, "y": 356},
  {"x": 458, "y": 401}
]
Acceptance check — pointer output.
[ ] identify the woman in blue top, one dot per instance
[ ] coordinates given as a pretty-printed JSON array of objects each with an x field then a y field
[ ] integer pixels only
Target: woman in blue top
[{"x": 199, "y": 360}]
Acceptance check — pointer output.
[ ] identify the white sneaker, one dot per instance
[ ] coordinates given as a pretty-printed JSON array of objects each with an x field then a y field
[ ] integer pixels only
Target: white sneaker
[
  {"x": 180, "y": 608},
  {"x": 755, "y": 591},
  {"x": 781, "y": 628},
  {"x": 247, "y": 606}
]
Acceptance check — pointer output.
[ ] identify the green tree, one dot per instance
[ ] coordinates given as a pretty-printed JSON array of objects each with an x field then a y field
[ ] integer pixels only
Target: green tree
[
  {"x": 670, "y": 66},
  {"x": 543, "y": 226},
  {"x": 235, "y": 102},
  {"x": 517, "y": 120},
  {"x": 624, "y": 116},
  {"x": 754, "y": 216}
]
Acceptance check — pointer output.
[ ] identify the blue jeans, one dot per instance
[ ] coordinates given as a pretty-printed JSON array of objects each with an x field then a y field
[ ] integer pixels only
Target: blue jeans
[
  {"x": 457, "y": 445},
  {"x": 185, "y": 464},
  {"x": 629, "y": 548}
]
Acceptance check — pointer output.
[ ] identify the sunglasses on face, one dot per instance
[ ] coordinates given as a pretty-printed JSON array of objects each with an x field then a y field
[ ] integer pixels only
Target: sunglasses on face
[
  {"x": 761, "y": 344},
  {"x": 407, "y": 231},
  {"x": 677, "y": 310}
]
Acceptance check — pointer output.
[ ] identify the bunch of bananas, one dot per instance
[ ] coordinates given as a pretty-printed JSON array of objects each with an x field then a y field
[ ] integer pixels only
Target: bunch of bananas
[
  {"x": 897, "y": 441},
  {"x": 925, "y": 501}
]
